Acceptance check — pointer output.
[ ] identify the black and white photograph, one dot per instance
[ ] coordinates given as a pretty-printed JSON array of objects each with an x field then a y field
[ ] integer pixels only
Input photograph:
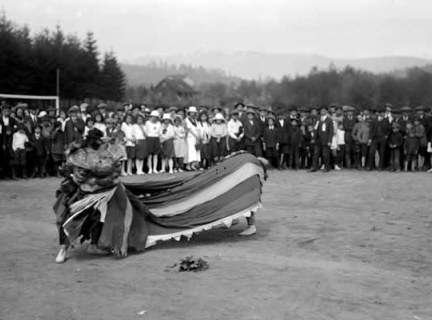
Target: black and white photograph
[{"x": 215, "y": 160}]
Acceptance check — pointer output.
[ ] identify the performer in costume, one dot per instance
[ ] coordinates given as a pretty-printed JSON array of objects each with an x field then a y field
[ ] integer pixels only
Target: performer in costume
[{"x": 93, "y": 204}]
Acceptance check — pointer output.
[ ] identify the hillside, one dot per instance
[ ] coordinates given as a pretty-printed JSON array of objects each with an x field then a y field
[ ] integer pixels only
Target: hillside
[{"x": 254, "y": 65}]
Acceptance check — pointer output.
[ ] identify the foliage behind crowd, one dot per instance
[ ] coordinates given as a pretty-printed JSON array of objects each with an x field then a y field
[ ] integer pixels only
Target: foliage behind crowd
[
  {"x": 29, "y": 65},
  {"x": 324, "y": 87}
]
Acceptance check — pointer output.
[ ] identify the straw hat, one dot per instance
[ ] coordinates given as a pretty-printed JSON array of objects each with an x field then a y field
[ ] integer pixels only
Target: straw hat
[
  {"x": 83, "y": 107},
  {"x": 192, "y": 109},
  {"x": 74, "y": 109},
  {"x": 219, "y": 116},
  {"x": 167, "y": 116},
  {"x": 42, "y": 114},
  {"x": 155, "y": 114}
]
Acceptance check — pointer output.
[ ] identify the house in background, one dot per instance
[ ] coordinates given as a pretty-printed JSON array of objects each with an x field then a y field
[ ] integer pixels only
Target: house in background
[{"x": 175, "y": 90}]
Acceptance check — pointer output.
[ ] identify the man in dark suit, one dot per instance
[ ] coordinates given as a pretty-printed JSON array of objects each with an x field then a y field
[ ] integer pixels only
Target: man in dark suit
[
  {"x": 252, "y": 133},
  {"x": 242, "y": 116},
  {"x": 404, "y": 119},
  {"x": 7, "y": 128},
  {"x": 263, "y": 118},
  {"x": 323, "y": 139},
  {"x": 379, "y": 132},
  {"x": 283, "y": 126},
  {"x": 74, "y": 127},
  {"x": 32, "y": 119},
  {"x": 349, "y": 121}
]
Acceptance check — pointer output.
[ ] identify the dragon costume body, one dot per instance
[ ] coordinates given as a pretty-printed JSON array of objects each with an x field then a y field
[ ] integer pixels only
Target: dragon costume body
[{"x": 93, "y": 203}]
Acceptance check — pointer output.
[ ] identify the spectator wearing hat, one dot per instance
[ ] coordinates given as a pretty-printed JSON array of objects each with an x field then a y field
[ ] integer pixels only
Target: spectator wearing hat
[
  {"x": 73, "y": 127},
  {"x": 179, "y": 143},
  {"x": 252, "y": 133},
  {"x": 340, "y": 145},
  {"x": 295, "y": 143},
  {"x": 102, "y": 108},
  {"x": 141, "y": 150},
  {"x": 314, "y": 116},
  {"x": 379, "y": 131},
  {"x": 305, "y": 118},
  {"x": 332, "y": 110},
  {"x": 153, "y": 129},
  {"x": 271, "y": 141},
  {"x": 404, "y": 119},
  {"x": 19, "y": 145},
  {"x": 84, "y": 113},
  {"x": 389, "y": 113},
  {"x": 284, "y": 129},
  {"x": 323, "y": 139},
  {"x": 411, "y": 148},
  {"x": 235, "y": 132},
  {"x": 40, "y": 152},
  {"x": 361, "y": 135},
  {"x": 52, "y": 111},
  {"x": 204, "y": 134},
  {"x": 120, "y": 111},
  {"x": 218, "y": 141},
  {"x": 227, "y": 114},
  {"x": 293, "y": 113},
  {"x": 136, "y": 109},
  {"x": 167, "y": 140},
  {"x": 128, "y": 130},
  {"x": 32, "y": 119},
  {"x": 263, "y": 117},
  {"x": 420, "y": 113},
  {"x": 7, "y": 156},
  {"x": 366, "y": 114},
  {"x": 349, "y": 121},
  {"x": 338, "y": 116},
  {"x": 181, "y": 112},
  {"x": 395, "y": 141},
  {"x": 173, "y": 112},
  {"x": 193, "y": 155},
  {"x": 19, "y": 113},
  {"x": 242, "y": 115},
  {"x": 419, "y": 132},
  {"x": 62, "y": 118},
  {"x": 57, "y": 147}
]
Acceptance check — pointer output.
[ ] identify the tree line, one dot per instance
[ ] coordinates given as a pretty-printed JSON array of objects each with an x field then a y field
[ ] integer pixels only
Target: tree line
[
  {"x": 320, "y": 87},
  {"x": 324, "y": 87},
  {"x": 29, "y": 65}
]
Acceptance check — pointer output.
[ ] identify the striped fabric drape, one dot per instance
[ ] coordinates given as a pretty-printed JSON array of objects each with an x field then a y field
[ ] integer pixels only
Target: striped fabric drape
[{"x": 176, "y": 207}]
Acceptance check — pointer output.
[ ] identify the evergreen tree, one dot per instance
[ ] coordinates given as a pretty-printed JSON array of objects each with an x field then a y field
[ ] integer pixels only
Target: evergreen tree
[
  {"x": 89, "y": 67},
  {"x": 113, "y": 83}
]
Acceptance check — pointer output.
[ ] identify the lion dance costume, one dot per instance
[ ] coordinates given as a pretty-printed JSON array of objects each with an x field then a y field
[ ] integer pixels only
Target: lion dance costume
[{"x": 92, "y": 203}]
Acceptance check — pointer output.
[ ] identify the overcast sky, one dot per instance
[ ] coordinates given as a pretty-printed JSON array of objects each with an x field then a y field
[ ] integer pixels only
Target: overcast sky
[{"x": 336, "y": 28}]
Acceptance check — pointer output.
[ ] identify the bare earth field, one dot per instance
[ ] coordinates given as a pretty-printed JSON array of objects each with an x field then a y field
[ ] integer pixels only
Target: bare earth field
[{"x": 344, "y": 245}]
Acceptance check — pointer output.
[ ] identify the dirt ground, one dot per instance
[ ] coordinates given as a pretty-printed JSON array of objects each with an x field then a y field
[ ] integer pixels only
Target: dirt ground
[{"x": 344, "y": 245}]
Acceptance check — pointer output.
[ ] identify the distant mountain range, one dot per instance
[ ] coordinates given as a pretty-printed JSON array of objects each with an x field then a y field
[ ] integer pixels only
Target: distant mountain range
[{"x": 256, "y": 65}]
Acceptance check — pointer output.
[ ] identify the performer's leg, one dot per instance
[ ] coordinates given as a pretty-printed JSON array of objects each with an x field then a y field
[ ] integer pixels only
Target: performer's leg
[
  {"x": 64, "y": 245},
  {"x": 251, "y": 229},
  {"x": 95, "y": 235}
]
